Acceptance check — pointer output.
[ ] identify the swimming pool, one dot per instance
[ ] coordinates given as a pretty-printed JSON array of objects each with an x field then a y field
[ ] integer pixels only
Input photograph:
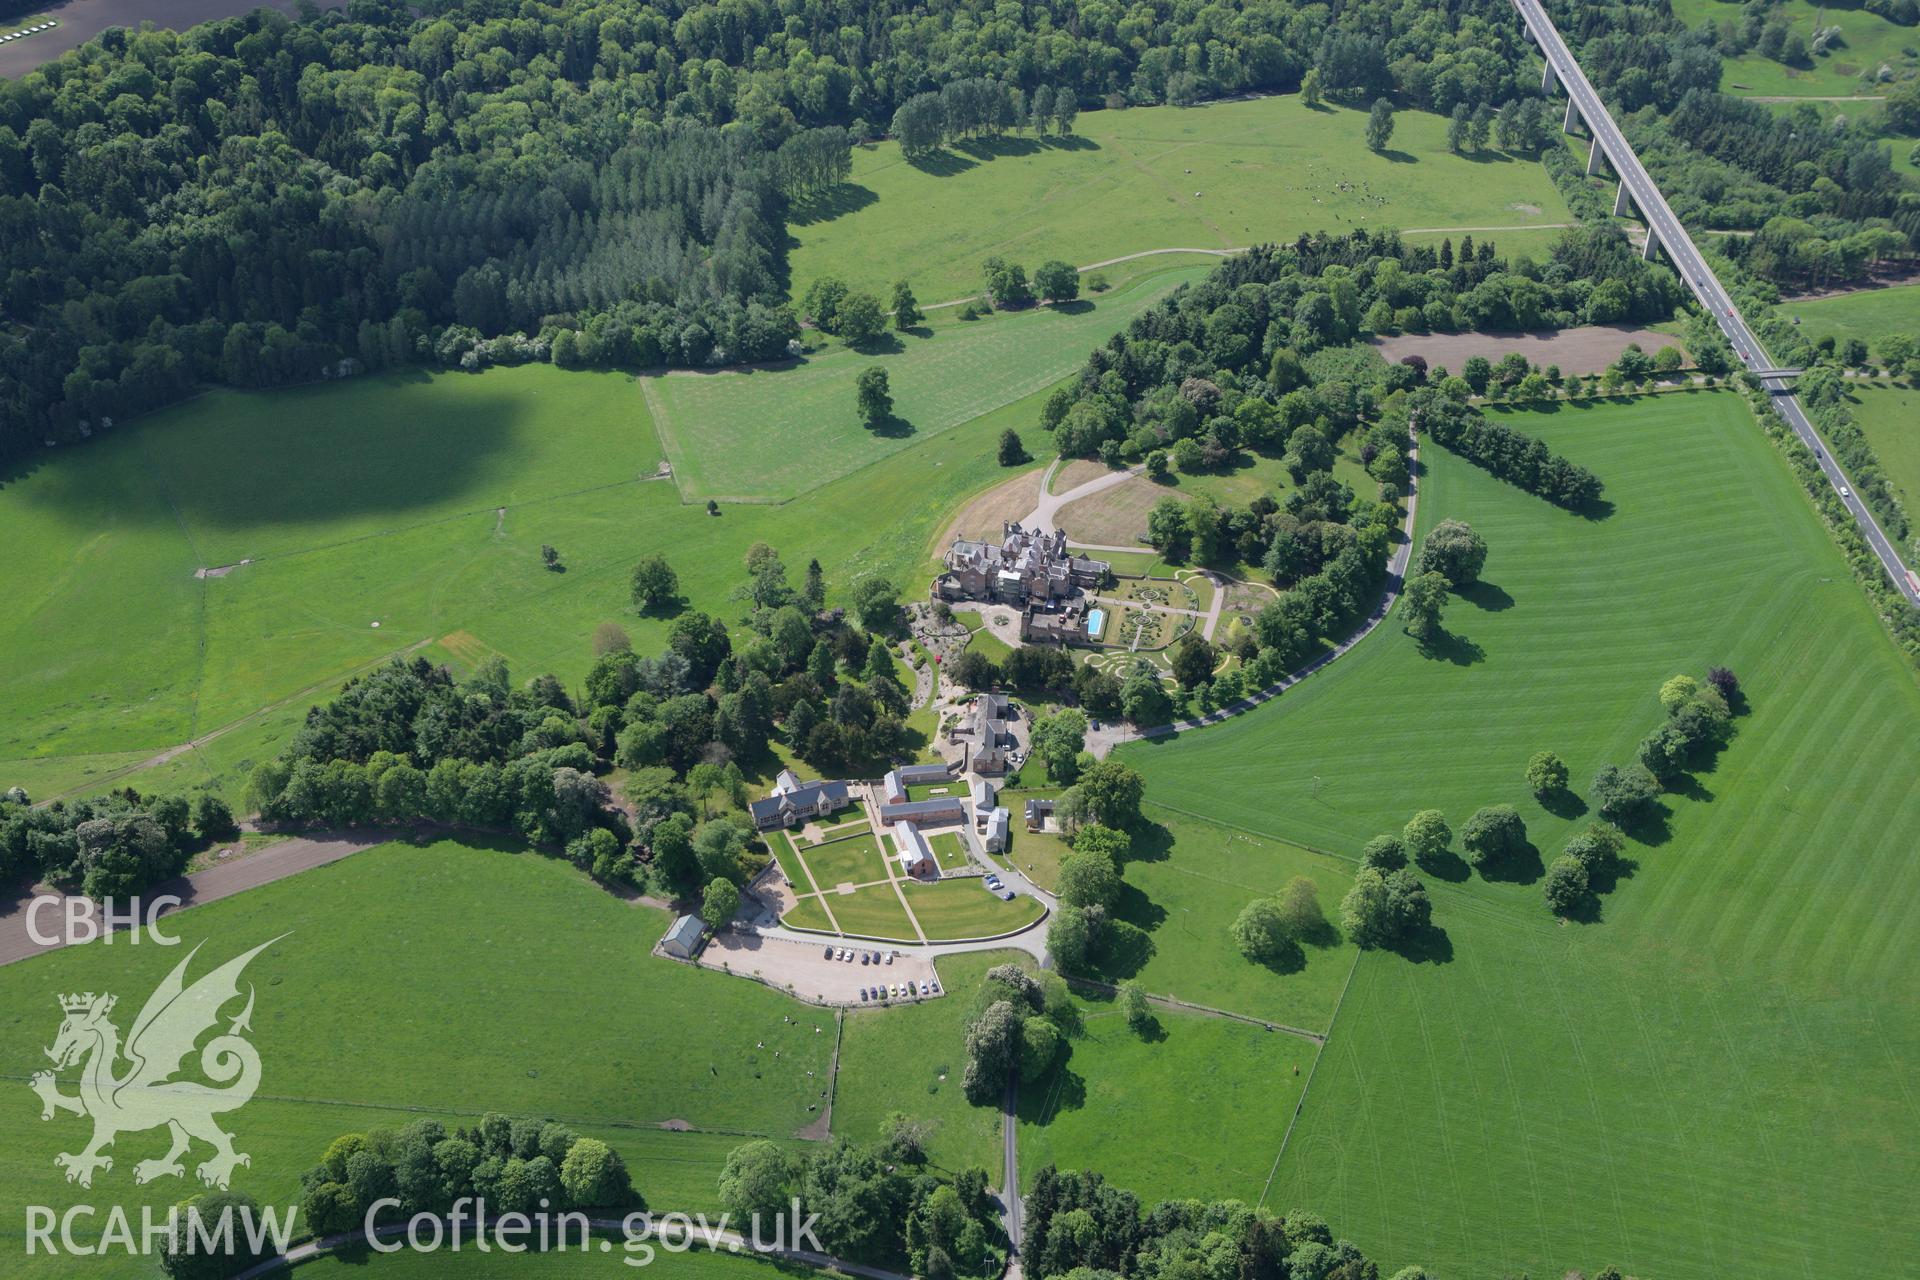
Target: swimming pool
[{"x": 1096, "y": 622}]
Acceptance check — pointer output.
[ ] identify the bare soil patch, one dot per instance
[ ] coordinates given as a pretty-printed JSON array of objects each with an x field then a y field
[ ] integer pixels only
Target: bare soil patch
[
  {"x": 1585, "y": 349},
  {"x": 1115, "y": 517},
  {"x": 984, "y": 516}
]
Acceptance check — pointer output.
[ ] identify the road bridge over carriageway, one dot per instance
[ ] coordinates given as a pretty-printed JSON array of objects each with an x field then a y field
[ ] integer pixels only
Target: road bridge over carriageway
[{"x": 1637, "y": 191}]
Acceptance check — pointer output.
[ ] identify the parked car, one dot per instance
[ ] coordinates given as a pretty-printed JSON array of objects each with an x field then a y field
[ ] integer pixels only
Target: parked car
[
  {"x": 1006, "y": 895},
  {"x": 889, "y": 957},
  {"x": 829, "y": 953},
  {"x": 923, "y": 986},
  {"x": 864, "y": 961}
]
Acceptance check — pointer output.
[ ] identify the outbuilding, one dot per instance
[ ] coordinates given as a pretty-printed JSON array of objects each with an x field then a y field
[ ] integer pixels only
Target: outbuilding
[{"x": 683, "y": 939}]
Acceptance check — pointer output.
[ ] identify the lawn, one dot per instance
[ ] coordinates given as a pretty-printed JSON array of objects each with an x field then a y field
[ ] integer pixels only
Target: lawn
[
  {"x": 962, "y": 908},
  {"x": 784, "y": 853},
  {"x": 113, "y": 651},
  {"x": 894, "y": 1060},
  {"x": 394, "y": 954},
  {"x": 949, "y": 850},
  {"x": 1194, "y": 1109},
  {"x": 1868, "y": 315},
  {"x": 1890, "y": 417},
  {"x": 1682, "y": 1086},
  {"x": 1869, "y": 41},
  {"x": 856, "y": 860},
  {"x": 808, "y": 914},
  {"x": 1221, "y": 176},
  {"x": 769, "y": 435},
  {"x": 872, "y": 912}
]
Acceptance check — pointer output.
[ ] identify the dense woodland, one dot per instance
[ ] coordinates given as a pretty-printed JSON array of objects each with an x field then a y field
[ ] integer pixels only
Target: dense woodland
[{"x": 266, "y": 200}]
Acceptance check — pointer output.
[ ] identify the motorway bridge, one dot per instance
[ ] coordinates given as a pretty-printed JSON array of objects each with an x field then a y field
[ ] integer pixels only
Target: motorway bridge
[{"x": 1665, "y": 232}]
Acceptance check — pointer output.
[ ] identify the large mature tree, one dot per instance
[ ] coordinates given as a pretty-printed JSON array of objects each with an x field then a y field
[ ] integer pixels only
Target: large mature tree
[
  {"x": 1427, "y": 835},
  {"x": 1193, "y": 661},
  {"x": 1112, "y": 792},
  {"x": 1453, "y": 549},
  {"x": 1057, "y": 281},
  {"x": 1566, "y": 885},
  {"x": 721, "y": 901},
  {"x": 655, "y": 585},
  {"x": 759, "y": 1177},
  {"x": 876, "y": 603},
  {"x": 1546, "y": 774},
  {"x": 1057, "y": 741},
  {"x": 1422, "y": 600},
  {"x": 1379, "y": 125},
  {"x": 1259, "y": 931},
  {"x": 875, "y": 398},
  {"x": 906, "y": 307},
  {"x": 1624, "y": 795},
  {"x": 1493, "y": 835}
]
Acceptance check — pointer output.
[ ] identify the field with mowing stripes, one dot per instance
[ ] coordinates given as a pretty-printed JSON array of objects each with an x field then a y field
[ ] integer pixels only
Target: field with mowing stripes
[
  {"x": 1221, "y": 176},
  {"x": 768, "y": 436},
  {"x": 1721, "y": 1061}
]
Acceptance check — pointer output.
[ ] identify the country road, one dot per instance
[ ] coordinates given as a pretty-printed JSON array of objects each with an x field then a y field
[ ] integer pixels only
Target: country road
[{"x": 1586, "y": 107}]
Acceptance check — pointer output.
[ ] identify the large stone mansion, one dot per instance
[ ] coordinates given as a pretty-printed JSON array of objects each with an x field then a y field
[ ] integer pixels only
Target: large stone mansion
[{"x": 1030, "y": 569}]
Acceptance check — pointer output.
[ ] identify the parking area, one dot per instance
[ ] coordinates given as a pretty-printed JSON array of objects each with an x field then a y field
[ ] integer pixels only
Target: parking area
[{"x": 803, "y": 968}]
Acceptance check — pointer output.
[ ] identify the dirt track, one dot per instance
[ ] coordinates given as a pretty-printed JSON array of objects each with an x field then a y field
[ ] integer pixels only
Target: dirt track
[
  {"x": 276, "y": 862},
  {"x": 1586, "y": 349}
]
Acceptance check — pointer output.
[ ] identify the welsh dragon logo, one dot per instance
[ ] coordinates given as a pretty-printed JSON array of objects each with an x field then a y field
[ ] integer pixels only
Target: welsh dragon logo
[{"x": 145, "y": 1095}]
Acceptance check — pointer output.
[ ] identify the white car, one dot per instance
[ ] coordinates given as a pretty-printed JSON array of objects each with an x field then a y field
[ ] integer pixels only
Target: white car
[{"x": 1845, "y": 492}]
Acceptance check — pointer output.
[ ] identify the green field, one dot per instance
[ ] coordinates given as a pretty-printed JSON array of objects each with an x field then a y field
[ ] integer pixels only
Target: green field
[
  {"x": 872, "y": 912},
  {"x": 893, "y": 1060},
  {"x": 1890, "y": 417},
  {"x": 949, "y": 849},
  {"x": 1684, "y": 1086},
  {"x": 1868, "y": 315},
  {"x": 543, "y": 980},
  {"x": 857, "y": 860},
  {"x": 1870, "y": 40},
  {"x": 770, "y": 435},
  {"x": 1221, "y": 176},
  {"x": 1187, "y": 880},
  {"x": 115, "y": 651},
  {"x": 962, "y": 908},
  {"x": 1195, "y": 1109}
]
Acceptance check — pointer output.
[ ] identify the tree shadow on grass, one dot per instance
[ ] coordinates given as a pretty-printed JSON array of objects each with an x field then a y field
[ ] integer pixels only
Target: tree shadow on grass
[
  {"x": 1392, "y": 156},
  {"x": 1487, "y": 596},
  {"x": 1563, "y": 804},
  {"x": 892, "y": 427},
  {"x": 1523, "y": 866},
  {"x": 1652, "y": 828},
  {"x": 1289, "y": 957},
  {"x": 1124, "y": 951},
  {"x": 886, "y": 344},
  {"x": 1446, "y": 865},
  {"x": 1586, "y": 910},
  {"x": 1136, "y": 908},
  {"x": 943, "y": 163},
  {"x": 1063, "y": 1089},
  {"x": 1448, "y": 647},
  {"x": 1430, "y": 945},
  {"x": 825, "y": 206},
  {"x": 1151, "y": 842},
  {"x": 1597, "y": 510}
]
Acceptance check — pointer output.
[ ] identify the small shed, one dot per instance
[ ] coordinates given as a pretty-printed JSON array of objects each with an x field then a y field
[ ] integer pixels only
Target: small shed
[{"x": 683, "y": 939}]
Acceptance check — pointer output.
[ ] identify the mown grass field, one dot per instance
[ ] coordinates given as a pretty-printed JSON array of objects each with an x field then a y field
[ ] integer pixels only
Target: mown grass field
[
  {"x": 543, "y": 980},
  {"x": 1221, "y": 176},
  {"x": 1684, "y": 1086},
  {"x": 1870, "y": 40},
  {"x": 1890, "y": 417},
  {"x": 1868, "y": 315},
  {"x": 963, "y": 908},
  {"x": 852, "y": 861},
  {"x": 115, "y": 651},
  {"x": 895, "y": 1059},
  {"x": 770, "y": 435},
  {"x": 1195, "y": 1108}
]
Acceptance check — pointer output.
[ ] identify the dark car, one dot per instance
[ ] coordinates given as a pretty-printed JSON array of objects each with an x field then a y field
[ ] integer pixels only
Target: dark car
[{"x": 829, "y": 953}]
